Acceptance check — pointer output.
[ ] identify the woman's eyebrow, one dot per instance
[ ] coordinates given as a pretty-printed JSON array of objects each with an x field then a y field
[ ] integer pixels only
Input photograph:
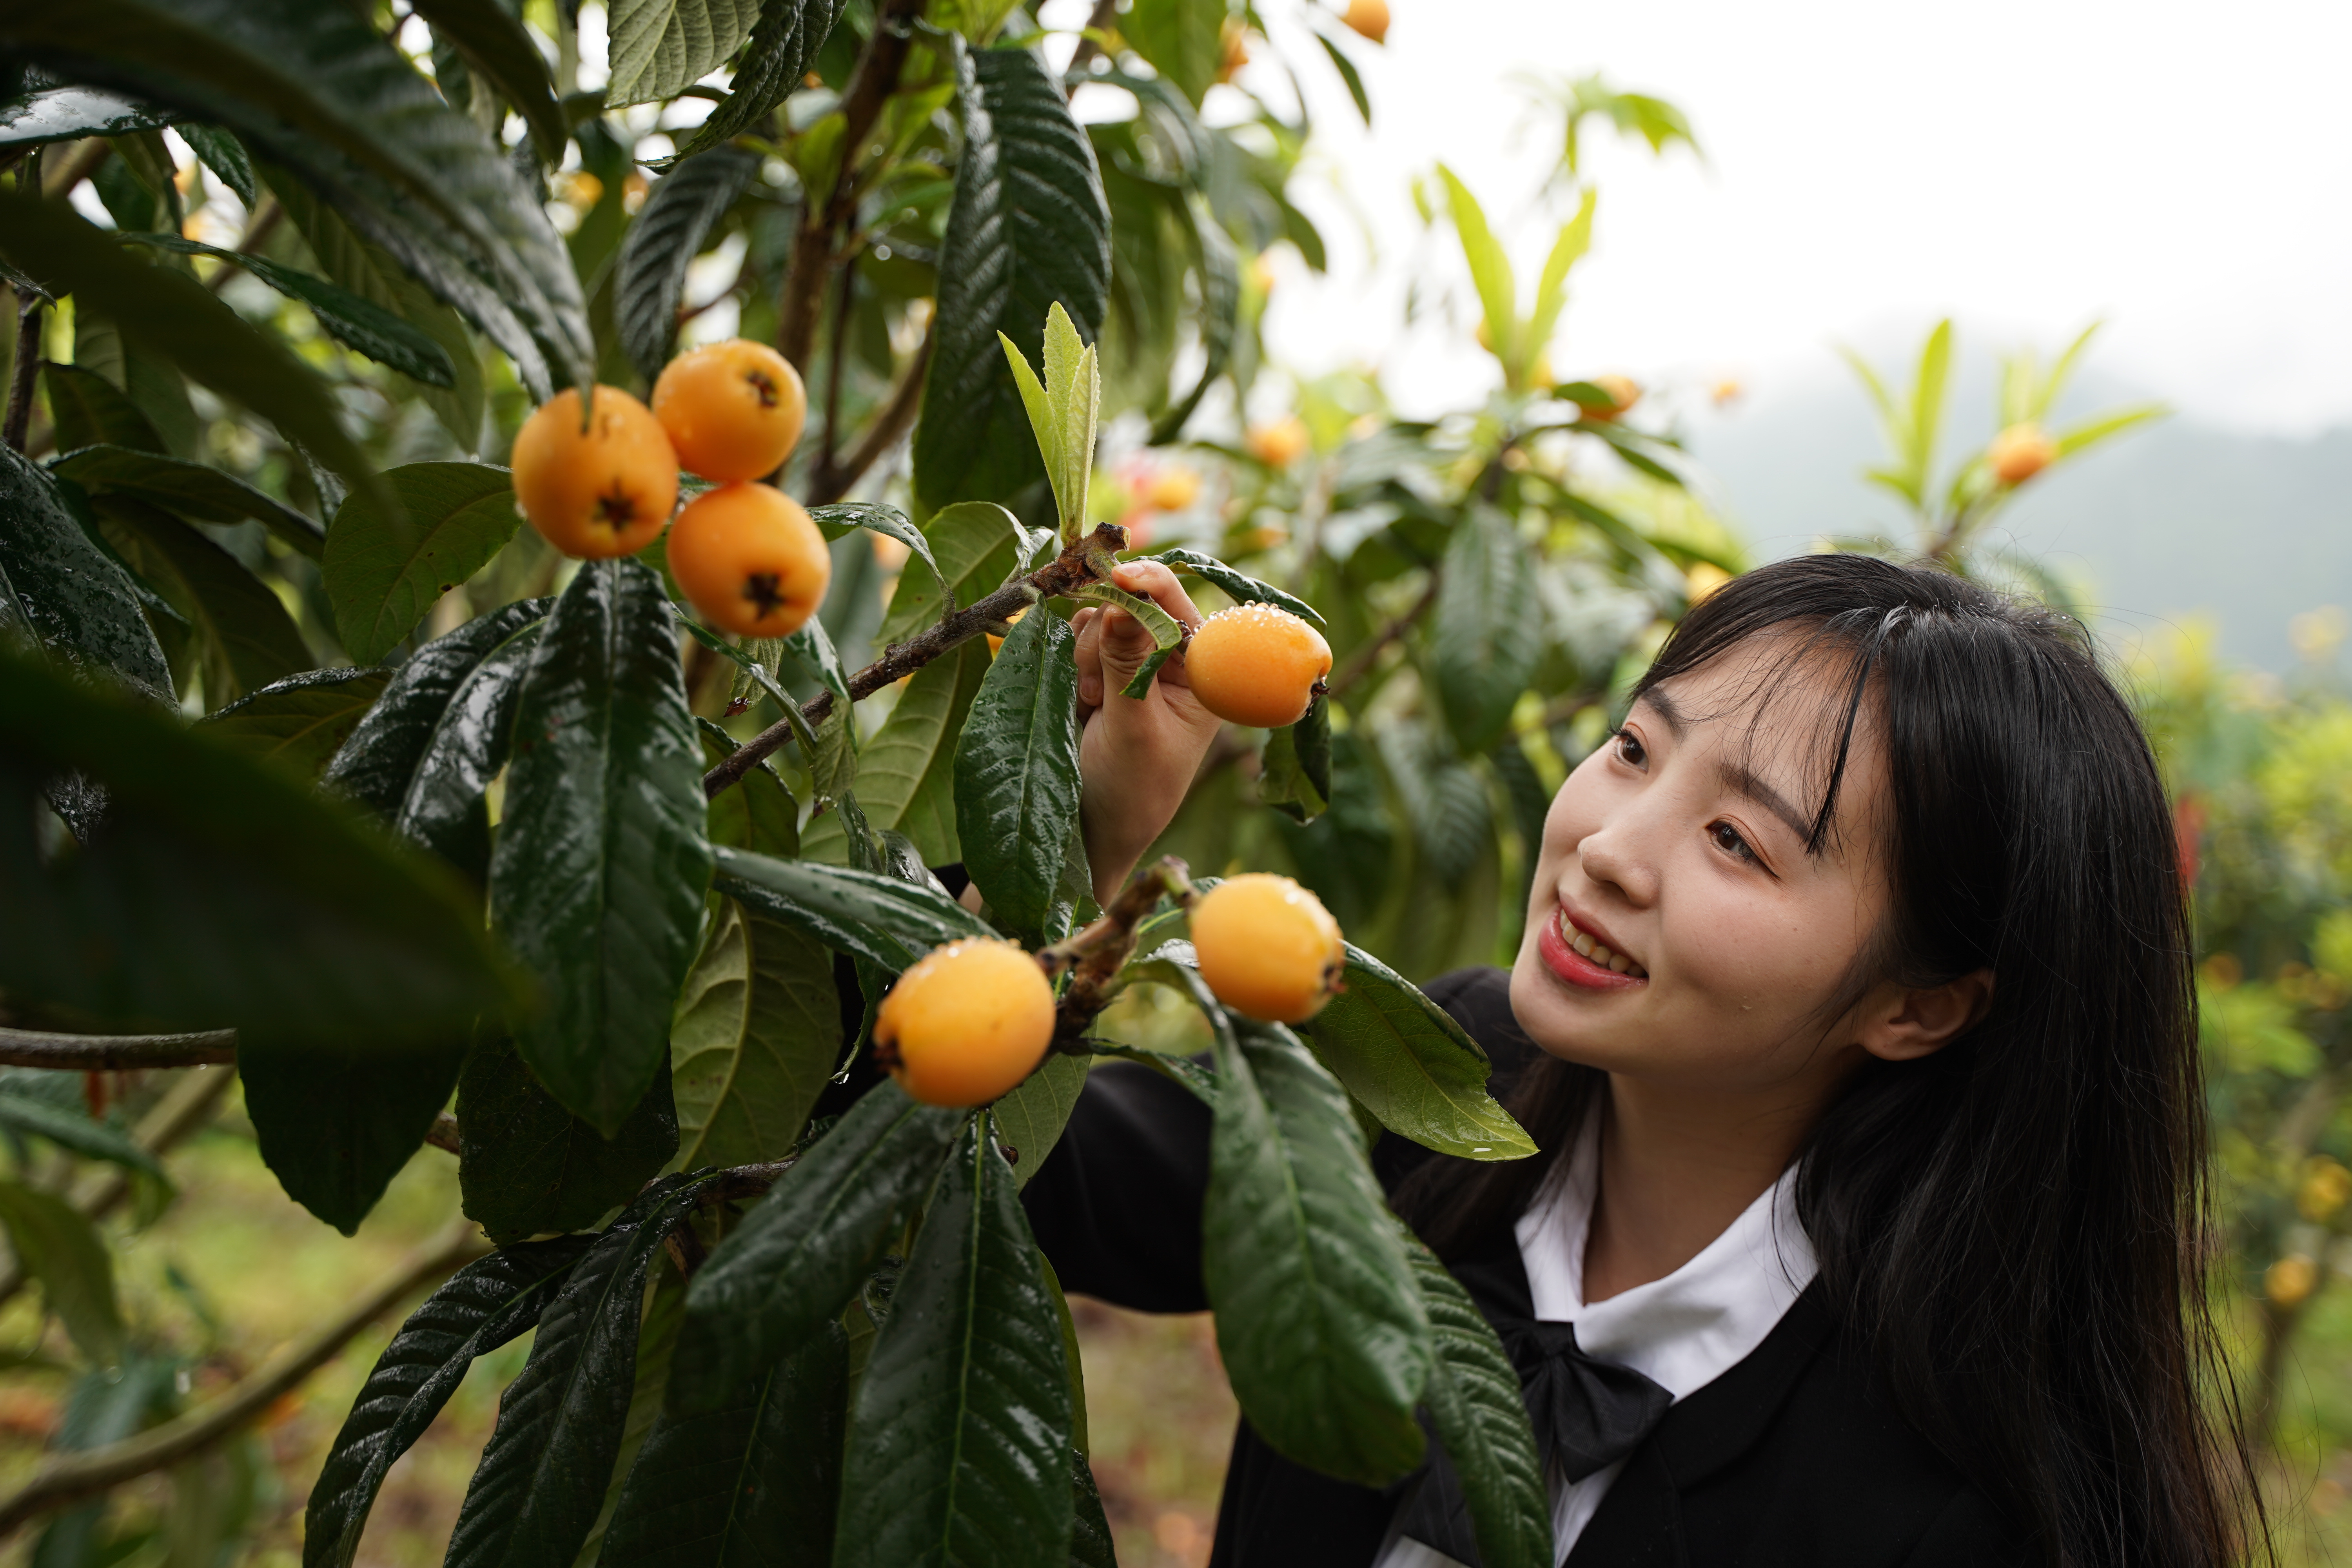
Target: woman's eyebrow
[
  {"x": 1744, "y": 781},
  {"x": 1658, "y": 702}
]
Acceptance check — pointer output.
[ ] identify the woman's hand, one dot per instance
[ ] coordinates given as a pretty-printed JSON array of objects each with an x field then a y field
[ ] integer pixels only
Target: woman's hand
[{"x": 1136, "y": 756}]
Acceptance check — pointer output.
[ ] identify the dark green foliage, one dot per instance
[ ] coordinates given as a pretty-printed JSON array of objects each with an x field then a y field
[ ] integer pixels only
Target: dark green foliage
[
  {"x": 1482, "y": 1419},
  {"x": 68, "y": 113},
  {"x": 527, "y": 1166},
  {"x": 965, "y": 1406},
  {"x": 377, "y": 766},
  {"x": 384, "y": 570},
  {"x": 445, "y": 809},
  {"x": 598, "y": 878},
  {"x": 246, "y": 637},
  {"x": 1240, "y": 585},
  {"x": 1029, "y": 228},
  {"x": 302, "y": 720},
  {"x": 1324, "y": 1336},
  {"x": 1294, "y": 777},
  {"x": 1488, "y": 630},
  {"x": 883, "y": 920},
  {"x": 669, "y": 232},
  {"x": 486, "y": 1304},
  {"x": 494, "y": 47},
  {"x": 752, "y": 1484},
  {"x": 88, "y": 410},
  {"x": 1016, "y": 773},
  {"x": 799, "y": 1256},
  {"x": 186, "y": 490},
  {"x": 335, "y": 1124},
  {"x": 58, "y": 582},
  {"x": 784, "y": 45},
  {"x": 1090, "y": 1542},
  {"x": 543, "y": 1474}
]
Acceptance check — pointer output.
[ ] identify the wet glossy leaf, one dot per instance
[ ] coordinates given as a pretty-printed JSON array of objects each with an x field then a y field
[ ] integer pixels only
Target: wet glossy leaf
[
  {"x": 975, "y": 545},
  {"x": 1488, "y": 630},
  {"x": 334, "y": 1124},
  {"x": 1295, "y": 776},
  {"x": 1238, "y": 585},
  {"x": 223, "y": 892},
  {"x": 601, "y": 863},
  {"x": 187, "y": 489},
  {"x": 783, "y": 49},
  {"x": 57, "y": 1246},
  {"x": 377, "y": 765},
  {"x": 756, "y": 1034},
  {"x": 1090, "y": 1541},
  {"x": 1028, "y": 228},
  {"x": 959, "y": 1439},
  {"x": 660, "y": 45},
  {"x": 882, "y": 918},
  {"x": 1030, "y": 1120},
  {"x": 527, "y": 1166},
  {"x": 496, "y": 46},
  {"x": 488, "y": 1303},
  {"x": 906, "y": 775},
  {"x": 1016, "y": 773},
  {"x": 650, "y": 280},
  {"x": 804, "y": 1249},
  {"x": 224, "y": 155},
  {"x": 69, "y": 113},
  {"x": 1482, "y": 1419},
  {"x": 170, "y": 315},
  {"x": 247, "y": 638},
  {"x": 1321, "y": 1331},
  {"x": 88, "y": 410},
  {"x": 1406, "y": 1060},
  {"x": 657, "y": 1339},
  {"x": 445, "y": 809},
  {"x": 839, "y": 518},
  {"x": 542, "y": 1475},
  {"x": 76, "y": 600},
  {"x": 752, "y": 1484}
]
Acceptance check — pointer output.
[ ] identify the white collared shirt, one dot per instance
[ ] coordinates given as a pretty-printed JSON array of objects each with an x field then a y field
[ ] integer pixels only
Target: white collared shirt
[{"x": 1682, "y": 1331}]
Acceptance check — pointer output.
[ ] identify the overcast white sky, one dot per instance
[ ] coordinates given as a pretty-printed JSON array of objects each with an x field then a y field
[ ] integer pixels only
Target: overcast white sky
[{"x": 2185, "y": 172}]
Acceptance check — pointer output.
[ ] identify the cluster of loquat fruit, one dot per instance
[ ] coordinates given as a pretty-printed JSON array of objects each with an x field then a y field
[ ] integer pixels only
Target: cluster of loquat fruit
[{"x": 746, "y": 555}]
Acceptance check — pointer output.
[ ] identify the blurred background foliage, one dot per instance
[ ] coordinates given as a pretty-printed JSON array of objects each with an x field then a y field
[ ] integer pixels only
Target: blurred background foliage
[{"x": 1495, "y": 579}]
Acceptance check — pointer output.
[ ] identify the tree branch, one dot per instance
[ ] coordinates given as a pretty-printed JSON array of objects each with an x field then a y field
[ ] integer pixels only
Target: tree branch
[
  {"x": 69, "y": 1477},
  {"x": 832, "y": 481},
  {"x": 1093, "y": 955},
  {"x": 114, "y": 1053},
  {"x": 1082, "y": 56},
  {"x": 1087, "y": 561}
]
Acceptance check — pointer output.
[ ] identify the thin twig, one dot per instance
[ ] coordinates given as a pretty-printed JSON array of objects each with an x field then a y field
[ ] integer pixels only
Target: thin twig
[
  {"x": 20, "y": 380},
  {"x": 1093, "y": 955},
  {"x": 1087, "y": 561},
  {"x": 832, "y": 481},
  {"x": 1360, "y": 663},
  {"x": 114, "y": 1053},
  {"x": 69, "y": 1477},
  {"x": 443, "y": 1134},
  {"x": 841, "y": 313},
  {"x": 1083, "y": 55}
]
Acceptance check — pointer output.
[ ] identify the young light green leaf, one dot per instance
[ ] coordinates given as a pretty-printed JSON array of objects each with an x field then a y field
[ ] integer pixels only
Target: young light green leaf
[
  {"x": 906, "y": 776},
  {"x": 2090, "y": 432},
  {"x": 758, "y": 1031},
  {"x": 959, "y": 1439},
  {"x": 57, "y": 1246},
  {"x": 384, "y": 570},
  {"x": 1551, "y": 289},
  {"x": 1016, "y": 773},
  {"x": 1490, "y": 272}
]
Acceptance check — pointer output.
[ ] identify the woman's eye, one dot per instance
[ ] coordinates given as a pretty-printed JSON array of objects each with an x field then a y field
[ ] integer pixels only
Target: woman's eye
[
  {"x": 1727, "y": 840},
  {"x": 1629, "y": 748}
]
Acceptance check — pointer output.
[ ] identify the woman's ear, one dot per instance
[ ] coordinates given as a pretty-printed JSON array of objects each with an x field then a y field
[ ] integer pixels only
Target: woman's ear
[{"x": 1919, "y": 1021}]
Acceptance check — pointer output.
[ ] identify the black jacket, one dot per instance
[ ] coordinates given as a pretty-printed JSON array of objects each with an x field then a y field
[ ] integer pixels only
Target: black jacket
[{"x": 1791, "y": 1459}]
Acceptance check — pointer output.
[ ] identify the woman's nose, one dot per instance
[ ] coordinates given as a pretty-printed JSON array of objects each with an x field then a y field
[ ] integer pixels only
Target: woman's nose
[{"x": 1614, "y": 856}]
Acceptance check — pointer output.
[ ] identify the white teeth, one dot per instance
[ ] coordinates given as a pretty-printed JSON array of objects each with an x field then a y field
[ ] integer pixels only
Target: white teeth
[
  {"x": 1582, "y": 943},
  {"x": 1598, "y": 955},
  {"x": 1615, "y": 961},
  {"x": 1619, "y": 963}
]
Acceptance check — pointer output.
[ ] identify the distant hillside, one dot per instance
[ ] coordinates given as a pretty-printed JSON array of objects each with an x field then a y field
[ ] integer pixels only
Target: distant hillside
[{"x": 2173, "y": 519}]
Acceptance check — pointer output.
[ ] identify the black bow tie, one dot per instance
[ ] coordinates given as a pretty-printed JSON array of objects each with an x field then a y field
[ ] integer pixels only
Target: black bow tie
[{"x": 1588, "y": 1414}]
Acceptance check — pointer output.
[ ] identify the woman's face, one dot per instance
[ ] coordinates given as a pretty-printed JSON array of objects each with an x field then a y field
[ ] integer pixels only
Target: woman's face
[{"x": 1676, "y": 853}]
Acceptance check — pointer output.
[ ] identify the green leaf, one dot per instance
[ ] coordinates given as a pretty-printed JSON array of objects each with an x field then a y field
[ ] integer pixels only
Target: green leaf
[
  {"x": 1166, "y": 634},
  {"x": 249, "y": 640},
  {"x": 1236, "y": 584},
  {"x": 1551, "y": 288},
  {"x": 883, "y": 918},
  {"x": 1030, "y": 1120},
  {"x": 187, "y": 489},
  {"x": 649, "y": 280},
  {"x": 1321, "y": 1331},
  {"x": 445, "y": 809},
  {"x": 1016, "y": 773},
  {"x": 386, "y": 570},
  {"x": 960, "y": 1440},
  {"x": 598, "y": 877},
  {"x": 1182, "y": 39},
  {"x": 1490, "y": 273},
  {"x": 1349, "y": 75},
  {"x": 359, "y": 325},
  {"x": 1405, "y": 1058},
  {"x": 906, "y": 773},
  {"x": 224, "y": 891},
  {"x": 74, "y": 1130},
  {"x": 318, "y": 89},
  {"x": 1219, "y": 318},
  {"x": 758, "y": 813},
  {"x": 976, "y": 544},
  {"x": 1486, "y": 632},
  {"x": 377, "y": 766},
  {"x": 69, "y": 113},
  {"x": 489, "y": 1303},
  {"x": 173, "y": 317},
  {"x": 758, "y": 1032},
  {"x": 299, "y": 721},
  {"x": 660, "y": 46},
  {"x": 783, "y": 50},
  {"x": 543, "y": 1476},
  {"x": 1090, "y": 1539},
  {"x": 160, "y": 390},
  {"x": 886, "y": 520},
  {"x": 1028, "y": 228},
  {"x": 336, "y": 1125},
  {"x": 224, "y": 155},
  {"x": 2090, "y": 432},
  {"x": 57, "y": 1246},
  {"x": 757, "y": 1477},
  {"x": 1482, "y": 1419},
  {"x": 1924, "y": 421},
  {"x": 804, "y": 1250},
  {"x": 498, "y": 48},
  {"x": 1295, "y": 774},
  {"x": 90, "y": 411},
  {"x": 527, "y": 1166},
  {"x": 76, "y": 600}
]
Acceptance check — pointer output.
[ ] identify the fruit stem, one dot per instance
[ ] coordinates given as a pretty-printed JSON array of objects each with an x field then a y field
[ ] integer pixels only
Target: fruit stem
[
  {"x": 1093, "y": 955},
  {"x": 1074, "y": 567}
]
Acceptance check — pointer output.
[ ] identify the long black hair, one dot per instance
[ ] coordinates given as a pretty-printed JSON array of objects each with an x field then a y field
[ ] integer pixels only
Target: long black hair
[{"x": 2016, "y": 1227}]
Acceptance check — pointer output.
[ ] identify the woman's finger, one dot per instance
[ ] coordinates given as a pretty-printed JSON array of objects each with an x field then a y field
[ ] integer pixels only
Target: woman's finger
[
  {"x": 1155, "y": 582},
  {"x": 1087, "y": 624}
]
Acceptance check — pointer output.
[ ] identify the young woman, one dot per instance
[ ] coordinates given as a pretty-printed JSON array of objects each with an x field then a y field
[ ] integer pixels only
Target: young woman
[{"x": 1854, "y": 1020}]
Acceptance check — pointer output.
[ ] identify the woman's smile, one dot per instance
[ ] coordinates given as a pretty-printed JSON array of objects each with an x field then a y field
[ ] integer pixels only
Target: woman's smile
[{"x": 1571, "y": 950}]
